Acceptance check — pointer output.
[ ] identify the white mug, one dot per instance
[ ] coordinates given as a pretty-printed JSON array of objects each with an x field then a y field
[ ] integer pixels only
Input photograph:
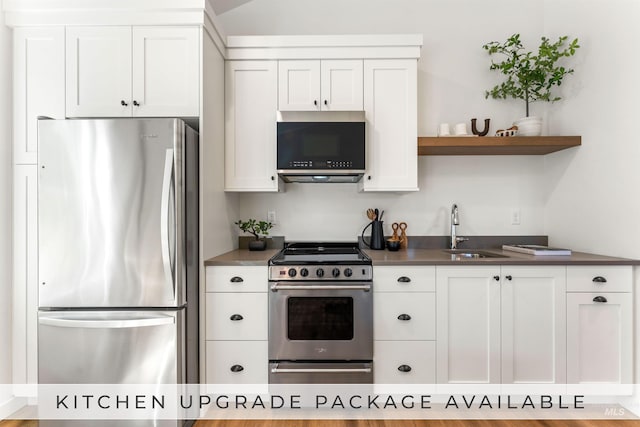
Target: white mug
[
  {"x": 444, "y": 130},
  {"x": 460, "y": 129}
]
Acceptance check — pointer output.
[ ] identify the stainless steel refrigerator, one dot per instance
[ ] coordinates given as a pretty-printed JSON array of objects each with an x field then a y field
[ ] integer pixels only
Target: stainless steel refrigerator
[{"x": 118, "y": 254}]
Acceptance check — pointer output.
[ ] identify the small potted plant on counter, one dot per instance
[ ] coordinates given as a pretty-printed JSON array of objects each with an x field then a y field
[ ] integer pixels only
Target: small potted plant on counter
[
  {"x": 530, "y": 77},
  {"x": 259, "y": 229}
]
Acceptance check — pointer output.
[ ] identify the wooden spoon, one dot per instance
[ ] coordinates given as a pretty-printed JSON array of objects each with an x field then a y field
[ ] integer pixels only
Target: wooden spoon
[{"x": 371, "y": 214}]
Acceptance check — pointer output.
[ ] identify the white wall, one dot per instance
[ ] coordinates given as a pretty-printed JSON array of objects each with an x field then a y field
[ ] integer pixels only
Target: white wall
[
  {"x": 452, "y": 77},
  {"x": 5, "y": 206},
  {"x": 593, "y": 193}
]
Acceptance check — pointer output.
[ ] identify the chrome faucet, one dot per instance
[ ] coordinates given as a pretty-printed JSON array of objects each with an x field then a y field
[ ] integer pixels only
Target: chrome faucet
[{"x": 454, "y": 222}]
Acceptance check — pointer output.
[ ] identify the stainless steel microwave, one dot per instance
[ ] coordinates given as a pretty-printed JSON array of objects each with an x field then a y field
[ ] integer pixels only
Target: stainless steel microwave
[{"x": 321, "y": 151}]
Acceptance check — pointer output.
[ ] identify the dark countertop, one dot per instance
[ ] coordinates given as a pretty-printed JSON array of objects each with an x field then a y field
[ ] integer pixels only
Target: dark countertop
[
  {"x": 439, "y": 257},
  {"x": 244, "y": 257}
]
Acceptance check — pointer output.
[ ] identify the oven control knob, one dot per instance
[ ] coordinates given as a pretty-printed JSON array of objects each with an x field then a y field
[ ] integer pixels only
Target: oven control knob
[
  {"x": 292, "y": 272},
  {"x": 319, "y": 272},
  {"x": 335, "y": 272},
  {"x": 348, "y": 272},
  {"x": 304, "y": 272}
]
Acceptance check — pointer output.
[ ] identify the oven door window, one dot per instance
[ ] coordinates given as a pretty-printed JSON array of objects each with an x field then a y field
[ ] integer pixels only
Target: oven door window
[{"x": 320, "y": 318}]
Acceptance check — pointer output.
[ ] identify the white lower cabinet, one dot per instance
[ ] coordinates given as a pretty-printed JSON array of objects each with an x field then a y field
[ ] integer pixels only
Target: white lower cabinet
[
  {"x": 405, "y": 362},
  {"x": 404, "y": 318},
  {"x": 501, "y": 324},
  {"x": 237, "y": 362},
  {"x": 599, "y": 325},
  {"x": 236, "y": 320}
]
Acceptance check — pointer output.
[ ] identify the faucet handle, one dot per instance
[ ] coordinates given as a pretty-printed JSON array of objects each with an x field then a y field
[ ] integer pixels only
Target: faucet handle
[{"x": 461, "y": 239}]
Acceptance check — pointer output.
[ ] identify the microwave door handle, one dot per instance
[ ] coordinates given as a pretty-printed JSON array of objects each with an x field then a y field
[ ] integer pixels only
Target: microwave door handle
[{"x": 278, "y": 287}]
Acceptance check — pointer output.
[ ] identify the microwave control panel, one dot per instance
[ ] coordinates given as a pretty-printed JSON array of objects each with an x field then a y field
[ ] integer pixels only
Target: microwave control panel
[{"x": 320, "y": 164}]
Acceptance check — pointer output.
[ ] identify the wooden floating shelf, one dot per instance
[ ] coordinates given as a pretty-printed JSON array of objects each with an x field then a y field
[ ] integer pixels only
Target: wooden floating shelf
[{"x": 493, "y": 145}]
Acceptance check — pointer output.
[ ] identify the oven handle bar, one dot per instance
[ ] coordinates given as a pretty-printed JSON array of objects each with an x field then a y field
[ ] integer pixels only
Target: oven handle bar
[
  {"x": 277, "y": 370},
  {"x": 278, "y": 287}
]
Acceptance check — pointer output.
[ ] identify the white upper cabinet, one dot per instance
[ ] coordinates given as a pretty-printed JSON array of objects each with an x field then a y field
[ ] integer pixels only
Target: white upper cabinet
[
  {"x": 132, "y": 71},
  {"x": 250, "y": 130},
  {"x": 390, "y": 104},
  {"x": 320, "y": 85},
  {"x": 38, "y": 72}
]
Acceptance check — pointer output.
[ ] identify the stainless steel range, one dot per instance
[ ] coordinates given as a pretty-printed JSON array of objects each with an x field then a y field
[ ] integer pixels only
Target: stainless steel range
[{"x": 320, "y": 315}]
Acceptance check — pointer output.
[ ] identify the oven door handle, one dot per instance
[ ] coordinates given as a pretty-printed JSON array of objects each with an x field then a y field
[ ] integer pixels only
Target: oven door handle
[
  {"x": 278, "y": 287},
  {"x": 277, "y": 370}
]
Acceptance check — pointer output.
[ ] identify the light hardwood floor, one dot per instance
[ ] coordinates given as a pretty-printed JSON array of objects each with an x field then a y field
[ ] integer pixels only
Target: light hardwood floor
[{"x": 387, "y": 423}]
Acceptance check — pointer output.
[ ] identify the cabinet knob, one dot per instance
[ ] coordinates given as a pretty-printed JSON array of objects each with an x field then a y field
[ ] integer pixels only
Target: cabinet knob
[
  {"x": 496, "y": 278},
  {"x": 237, "y": 368},
  {"x": 273, "y": 178},
  {"x": 325, "y": 102},
  {"x": 369, "y": 177},
  {"x": 315, "y": 102},
  {"x": 404, "y": 279},
  {"x": 404, "y": 317},
  {"x": 136, "y": 103},
  {"x": 236, "y": 317},
  {"x": 599, "y": 279},
  {"x": 236, "y": 279},
  {"x": 404, "y": 368},
  {"x": 599, "y": 299},
  {"x": 124, "y": 104},
  {"x": 508, "y": 277}
]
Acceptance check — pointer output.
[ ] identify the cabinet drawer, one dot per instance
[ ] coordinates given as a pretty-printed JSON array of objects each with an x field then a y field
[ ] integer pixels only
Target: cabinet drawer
[
  {"x": 236, "y": 362},
  {"x": 404, "y": 362},
  {"x": 417, "y": 309},
  {"x": 599, "y": 278},
  {"x": 236, "y": 317},
  {"x": 404, "y": 279},
  {"x": 237, "y": 279}
]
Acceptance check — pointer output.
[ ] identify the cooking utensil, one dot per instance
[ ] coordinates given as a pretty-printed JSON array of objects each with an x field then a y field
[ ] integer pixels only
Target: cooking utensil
[
  {"x": 404, "y": 240},
  {"x": 381, "y": 215},
  {"x": 371, "y": 214},
  {"x": 376, "y": 212},
  {"x": 395, "y": 226}
]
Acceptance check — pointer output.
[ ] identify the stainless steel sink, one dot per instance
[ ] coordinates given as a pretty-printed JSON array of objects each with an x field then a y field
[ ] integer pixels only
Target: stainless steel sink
[{"x": 463, "y": 254}]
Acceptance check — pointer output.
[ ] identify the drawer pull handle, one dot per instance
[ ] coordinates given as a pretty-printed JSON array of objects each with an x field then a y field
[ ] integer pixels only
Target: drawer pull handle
[
  {"x": 404, "y": 317},
  {"x": 599, "y": 299},
  {"x": 404, "y": 368},
  {"x": 236, "y": 317},
  {"x": 236, "y": 279},
  {"x": 599, "y": 279},
  {"x": 508, "y": 277},
  {"x": 404, "y": 279},
  {"x": 496, "y": 278},
  {"x": 237, "y": 368}
]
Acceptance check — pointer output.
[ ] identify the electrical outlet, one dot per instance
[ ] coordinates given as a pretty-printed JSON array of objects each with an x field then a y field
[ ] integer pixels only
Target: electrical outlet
[
  {"x": 515, "y": 216},
  {"x": 271, "y": 217}
]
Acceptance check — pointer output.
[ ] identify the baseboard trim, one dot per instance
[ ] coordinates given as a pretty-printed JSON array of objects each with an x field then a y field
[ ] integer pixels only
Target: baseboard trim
[{"x": 12, "y": 405}]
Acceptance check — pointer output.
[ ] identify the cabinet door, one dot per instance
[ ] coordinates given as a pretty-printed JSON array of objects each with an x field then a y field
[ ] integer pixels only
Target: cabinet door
[
  {"x": 25, "y": 274},
  {"x": 38, "y": 72},
  {"x": 341, "y": 85},
  {"x": 468, "y": 324},
  {"x": 166, "y": 71},
  {"x": 599, "y": 338},
  {"x": 390, "y": 104},
  {"x": 533, "y": 324},
  {"x": 299, "y": 85},
  {"x": 251, "y": 94},
  {"x": 98, "y": 72}
]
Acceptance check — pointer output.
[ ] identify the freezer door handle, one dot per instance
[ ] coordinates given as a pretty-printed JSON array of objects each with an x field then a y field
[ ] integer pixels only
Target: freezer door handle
[
  {"x": 107, "y": 324},
  {"x": 165, "y": 207}
]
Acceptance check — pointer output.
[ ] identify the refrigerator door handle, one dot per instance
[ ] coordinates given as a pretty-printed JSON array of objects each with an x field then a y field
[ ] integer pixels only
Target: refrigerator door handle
[
  {"x": 107, "y": 324},
  {"x": 165, "y": 206}
]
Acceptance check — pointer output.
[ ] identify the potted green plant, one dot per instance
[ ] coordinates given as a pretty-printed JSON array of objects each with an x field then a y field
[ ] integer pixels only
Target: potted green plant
[
  {"x": 530, "y": 77},
  {"x": 259, "y": 230}
]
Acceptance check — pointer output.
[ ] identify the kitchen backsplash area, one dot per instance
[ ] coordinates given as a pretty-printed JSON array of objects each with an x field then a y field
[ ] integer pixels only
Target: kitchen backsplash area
[{"x": 487, "y": 189}]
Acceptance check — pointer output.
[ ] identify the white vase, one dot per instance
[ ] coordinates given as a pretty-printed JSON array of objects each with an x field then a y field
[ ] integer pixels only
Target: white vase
[{"x": 529, "y": 126}]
